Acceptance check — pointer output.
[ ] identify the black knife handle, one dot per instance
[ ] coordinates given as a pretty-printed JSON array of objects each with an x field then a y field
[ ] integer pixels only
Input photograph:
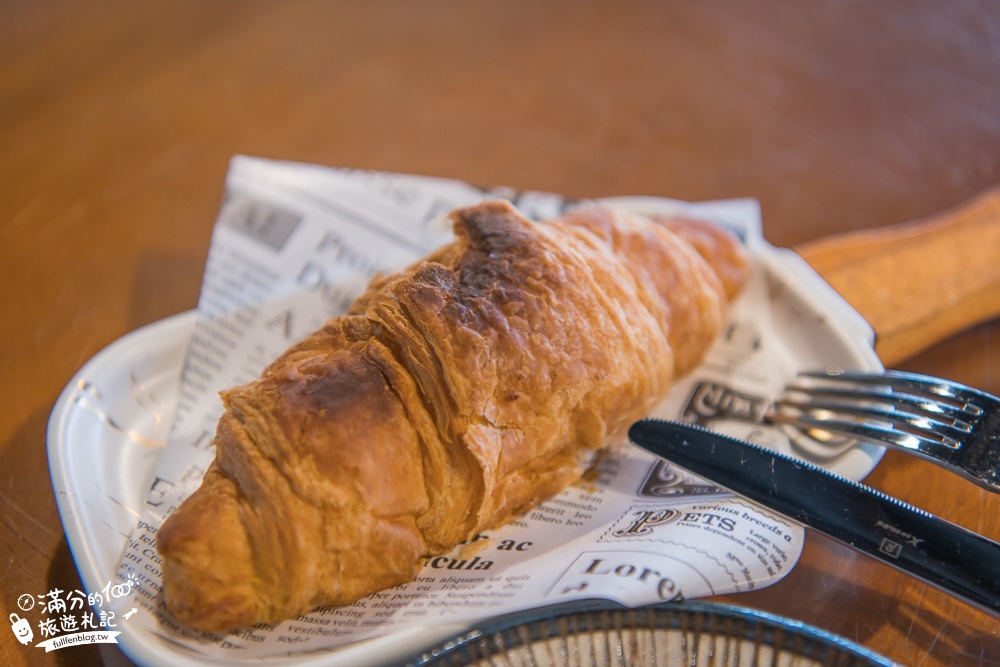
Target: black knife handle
[{"x": 940, "y": 553}]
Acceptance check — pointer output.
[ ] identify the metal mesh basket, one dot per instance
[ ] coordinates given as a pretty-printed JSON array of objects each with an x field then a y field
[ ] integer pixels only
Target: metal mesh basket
[{"x": 688, "y": 634}]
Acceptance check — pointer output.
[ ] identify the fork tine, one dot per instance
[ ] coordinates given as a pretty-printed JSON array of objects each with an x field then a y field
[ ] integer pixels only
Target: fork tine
[
  {"x": 918, "y": 442},
  {"x": 882, "y": 395},
  {"x": 933, "y": 428},
  {"x": 934, "y": 388},
  {"x": 885, "y": 410},
  {"x": 903, "y": 402}
]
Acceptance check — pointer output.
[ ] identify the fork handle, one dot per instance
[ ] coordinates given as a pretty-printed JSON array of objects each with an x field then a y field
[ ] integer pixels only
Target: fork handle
[{"x": 919, "y": 282}]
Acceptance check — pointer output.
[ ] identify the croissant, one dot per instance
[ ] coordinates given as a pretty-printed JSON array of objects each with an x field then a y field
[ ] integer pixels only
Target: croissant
[{"x": 452, "y": 396}]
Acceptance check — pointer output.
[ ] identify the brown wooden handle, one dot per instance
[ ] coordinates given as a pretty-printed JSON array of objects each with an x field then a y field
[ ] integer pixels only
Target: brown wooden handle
[{"x": 918, "y": 282}]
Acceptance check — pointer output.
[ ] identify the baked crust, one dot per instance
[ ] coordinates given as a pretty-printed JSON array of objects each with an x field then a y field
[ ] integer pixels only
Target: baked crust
[{"x": 452, "y": 396}]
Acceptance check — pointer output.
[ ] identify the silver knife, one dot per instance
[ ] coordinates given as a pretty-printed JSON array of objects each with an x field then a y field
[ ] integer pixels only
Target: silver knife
[{"x": 957, "y": 561}]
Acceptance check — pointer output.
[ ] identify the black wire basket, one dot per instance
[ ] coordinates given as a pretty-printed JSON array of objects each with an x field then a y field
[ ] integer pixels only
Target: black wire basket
[{"x": 688, "y": 634}]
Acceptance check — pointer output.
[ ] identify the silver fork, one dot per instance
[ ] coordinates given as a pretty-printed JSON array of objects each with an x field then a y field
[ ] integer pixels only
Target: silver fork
[{"x": 950, "y": 424}]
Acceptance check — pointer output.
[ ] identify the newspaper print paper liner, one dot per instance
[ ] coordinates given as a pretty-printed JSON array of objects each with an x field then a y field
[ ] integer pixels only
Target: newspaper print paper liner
[{"x": 103, "y": 434}]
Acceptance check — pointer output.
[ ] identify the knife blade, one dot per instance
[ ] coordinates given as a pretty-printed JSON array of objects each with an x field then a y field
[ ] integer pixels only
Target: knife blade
[{"x": 958, "y": 561}]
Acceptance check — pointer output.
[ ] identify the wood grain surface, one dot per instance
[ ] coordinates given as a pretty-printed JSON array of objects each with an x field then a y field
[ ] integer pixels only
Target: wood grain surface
[{"x": 118, "y": 119}]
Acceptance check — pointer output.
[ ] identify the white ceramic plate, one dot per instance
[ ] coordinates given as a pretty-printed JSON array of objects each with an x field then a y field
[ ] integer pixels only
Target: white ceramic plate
[{"x": 104, "y": 429}]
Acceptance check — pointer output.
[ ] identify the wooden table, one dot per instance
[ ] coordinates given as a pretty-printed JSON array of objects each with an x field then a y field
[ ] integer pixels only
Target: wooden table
[{"x": 117, "y": 120}]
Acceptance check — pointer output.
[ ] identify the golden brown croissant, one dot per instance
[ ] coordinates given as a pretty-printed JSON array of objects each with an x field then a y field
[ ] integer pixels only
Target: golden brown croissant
[{"x": 453, "y": 396}]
